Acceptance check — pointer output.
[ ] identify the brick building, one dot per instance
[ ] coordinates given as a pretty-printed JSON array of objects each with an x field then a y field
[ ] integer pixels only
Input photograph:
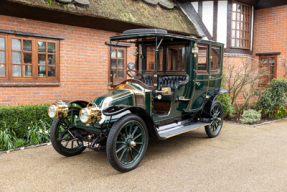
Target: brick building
[{"x": 60, "y": 50}]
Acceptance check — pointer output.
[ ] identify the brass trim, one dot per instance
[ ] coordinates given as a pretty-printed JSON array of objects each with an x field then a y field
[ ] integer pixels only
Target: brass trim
[
  {"x": 155, "y": 85},
  {"x": 164, "y": 91},
  {"x": 155, "y": 75}
]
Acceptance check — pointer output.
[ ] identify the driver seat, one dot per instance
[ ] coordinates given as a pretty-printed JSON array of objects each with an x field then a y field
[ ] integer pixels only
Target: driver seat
[{"x": 148, "y": 79}]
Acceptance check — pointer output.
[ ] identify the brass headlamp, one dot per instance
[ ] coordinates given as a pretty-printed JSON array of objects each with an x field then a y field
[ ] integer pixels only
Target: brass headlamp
[
  {"x": 60, "y": 109},
  {"x": 90, "y": 114}
]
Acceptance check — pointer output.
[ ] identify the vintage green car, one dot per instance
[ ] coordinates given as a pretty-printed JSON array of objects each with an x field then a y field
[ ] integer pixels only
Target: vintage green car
[{"x": 173, "y": 91}]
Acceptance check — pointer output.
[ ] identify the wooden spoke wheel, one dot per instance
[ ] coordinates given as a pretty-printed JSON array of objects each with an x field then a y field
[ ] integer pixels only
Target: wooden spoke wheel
[
  {"x": 62, "y": 140},
  {"x": 127, "y": 143},
  {"x": 216, "y": 113}
]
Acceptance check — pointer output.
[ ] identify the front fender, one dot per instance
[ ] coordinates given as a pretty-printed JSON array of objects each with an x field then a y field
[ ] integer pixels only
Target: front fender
[{"x": 118, "y": 109}]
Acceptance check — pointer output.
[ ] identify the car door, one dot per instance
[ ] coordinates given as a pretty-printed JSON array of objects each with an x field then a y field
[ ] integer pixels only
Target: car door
[{"x": 201, "y": 78}]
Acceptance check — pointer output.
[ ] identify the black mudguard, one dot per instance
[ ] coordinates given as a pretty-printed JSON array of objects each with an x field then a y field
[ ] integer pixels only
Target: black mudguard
[
  {"x": 117, "y": 109},
  {"x": 207, "y": 106}
]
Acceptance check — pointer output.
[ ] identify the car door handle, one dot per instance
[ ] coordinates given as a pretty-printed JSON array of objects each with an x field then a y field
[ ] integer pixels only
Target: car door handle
[{"x": 197, "y": 83}]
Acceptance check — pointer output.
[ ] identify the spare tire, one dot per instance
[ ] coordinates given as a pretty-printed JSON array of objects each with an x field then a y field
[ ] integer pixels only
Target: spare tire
[{"x": 138, "y": 31}]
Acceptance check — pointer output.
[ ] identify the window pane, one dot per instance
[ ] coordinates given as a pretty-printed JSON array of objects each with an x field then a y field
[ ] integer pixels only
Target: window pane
[
  {"x": 272, "y": 70},
  {"x": 121, "y": 54},
  {"x": 243, "y": 8},
  {"x": 237, "y": 34},
  {"x": 51, "y": 71},
  {"x": 113, "y": 63},
  {"x": 238, "y": 16},
  {"x": 51, "y": 59},
  {"x": 120, "y": 73},
  {"x": 41, "y": 59},
  {"x": 150, "y": 58},
  {"x": 2, "y": 43},
  {"x": 242, "y": 26},
  {"x": 271, "y": 61},
  {"x": 51, "y": 47},
  {"x": 27, "y": 45},
  {"x": 114, "y": 53},
  {"x": 233, "y": 16},
  {"x": 2, "y": 57},
  {"x": 16, "y": 57},
  {"x": 41, "y": 46},
  {"x": 237, "y": 42},
  {"x": 233, "y": 42},
  {"x": 16, "y": 71},
  {"x": 234, "y": 7},
  {"x": 233, "y": 33},
  {"x": 215, "y": 59},
  {"x": 41, "y": 71},
  {"x": 16, "y": 44},
  {"x": 114, "y": 73},
  {"x": 27, "y": 58},
  {"x": 202, "y": 58},
  {"x": 238, "y": 7},
  {"x": 233, "y": 25},
  {"x": 2, "y": 70},
  {"x": 176, "y": 58},
  {"x": 27, "y": 71},
  {"x": 120, "y": 63},
  {"x": 238, "y": 25},
  {"x": 264, "y": 60}
]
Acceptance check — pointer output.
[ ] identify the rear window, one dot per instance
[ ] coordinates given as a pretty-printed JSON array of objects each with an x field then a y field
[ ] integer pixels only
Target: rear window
[{"x": 215, "y": 59}]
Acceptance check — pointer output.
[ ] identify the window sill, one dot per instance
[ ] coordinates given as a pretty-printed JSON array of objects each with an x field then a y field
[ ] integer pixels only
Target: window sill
[{"x": 28, "y": 84}]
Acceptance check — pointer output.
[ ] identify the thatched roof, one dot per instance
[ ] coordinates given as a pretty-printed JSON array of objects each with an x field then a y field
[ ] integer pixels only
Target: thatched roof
[{"x": 147, "y": 13}]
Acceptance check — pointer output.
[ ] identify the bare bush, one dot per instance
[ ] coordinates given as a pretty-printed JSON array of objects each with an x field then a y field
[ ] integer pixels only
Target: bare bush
[{"x": 243, "y": 78}]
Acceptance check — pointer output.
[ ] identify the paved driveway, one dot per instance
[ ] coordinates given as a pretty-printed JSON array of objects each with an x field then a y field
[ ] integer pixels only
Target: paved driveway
[{"x": 241, "y": 158}]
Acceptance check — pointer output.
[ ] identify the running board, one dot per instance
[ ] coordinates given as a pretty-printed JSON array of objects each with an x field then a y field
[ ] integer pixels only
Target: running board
[{"x": 174, "y": 129}]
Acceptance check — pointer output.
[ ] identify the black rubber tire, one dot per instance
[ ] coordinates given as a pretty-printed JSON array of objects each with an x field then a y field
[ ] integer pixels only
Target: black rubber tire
[
  {"x": 54, "y": 136},
  {"x": 110, "y": 149},
  {"x": 207, "y": 129},
  {"x": 138, "y": 31}
]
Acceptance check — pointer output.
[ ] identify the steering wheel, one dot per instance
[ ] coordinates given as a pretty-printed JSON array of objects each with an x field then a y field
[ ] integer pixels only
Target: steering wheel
[{"x": 137, "y": 74}]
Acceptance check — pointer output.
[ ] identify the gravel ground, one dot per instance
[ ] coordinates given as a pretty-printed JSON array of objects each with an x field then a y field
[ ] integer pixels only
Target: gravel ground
[{"x": 241, "y": 158}]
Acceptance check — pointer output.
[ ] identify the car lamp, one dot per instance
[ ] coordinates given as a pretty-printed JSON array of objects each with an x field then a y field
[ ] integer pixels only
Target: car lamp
[
  {"x": 90, "y": 114},
  {"x": 58, "y": 110}
]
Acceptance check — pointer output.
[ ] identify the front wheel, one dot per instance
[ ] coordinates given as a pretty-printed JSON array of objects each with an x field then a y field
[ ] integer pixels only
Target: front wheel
[
  {"x": 127, "y": 143},
  {"x": 216, "y": 113},
  {"x": 67, "y": 146}
]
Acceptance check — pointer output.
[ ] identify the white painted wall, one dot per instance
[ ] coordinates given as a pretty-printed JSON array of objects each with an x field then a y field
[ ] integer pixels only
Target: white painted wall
[
  {"x": 207, "y": 15},
  {"x": 195, "y": 5},
  {"x": 222, "y": 22}
]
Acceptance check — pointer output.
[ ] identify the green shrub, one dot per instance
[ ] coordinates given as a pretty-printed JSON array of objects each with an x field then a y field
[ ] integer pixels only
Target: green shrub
[
  {"x": 250, "y": 116},
  {"x": 225, "y": 100},
  {"x": 280, "y": 113},
  {"x": 273, "y": 97},
  {"x": 20, "y": 117}
]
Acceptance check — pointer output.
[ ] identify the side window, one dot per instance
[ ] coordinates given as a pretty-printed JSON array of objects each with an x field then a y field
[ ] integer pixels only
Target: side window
[
  {"x": 215, "y": 59},
  {"x": 150, "y": 58},
  {"x": 2, "y": 57},
  {"x": 176, "y": 58},
  {"x": 269, "y": 63},
  {"x": 202, "y": 60},
  {"x": 118, "y": 65}
]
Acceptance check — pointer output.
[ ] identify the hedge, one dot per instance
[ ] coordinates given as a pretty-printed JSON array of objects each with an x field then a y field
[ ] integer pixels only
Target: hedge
[{"x": 19, "y": 118}]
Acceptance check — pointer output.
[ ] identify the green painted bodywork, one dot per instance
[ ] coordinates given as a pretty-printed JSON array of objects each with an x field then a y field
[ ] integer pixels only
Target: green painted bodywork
[{"x": 193, "y": 93}]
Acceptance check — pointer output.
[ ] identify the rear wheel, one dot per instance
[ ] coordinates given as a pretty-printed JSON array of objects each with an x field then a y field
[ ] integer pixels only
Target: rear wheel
[
  {"x": 67, "y": 146},
  {"x": 216, "y": 113},
  {"x": 127, "y": 143}
]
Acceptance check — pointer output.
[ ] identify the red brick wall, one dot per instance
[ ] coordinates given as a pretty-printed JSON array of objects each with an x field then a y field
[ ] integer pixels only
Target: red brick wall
[
  {"x": 270, "y": 34},
  {"x": 83, "y": 63}
]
